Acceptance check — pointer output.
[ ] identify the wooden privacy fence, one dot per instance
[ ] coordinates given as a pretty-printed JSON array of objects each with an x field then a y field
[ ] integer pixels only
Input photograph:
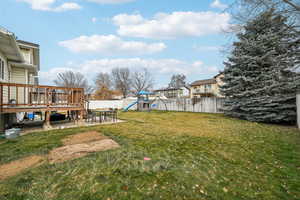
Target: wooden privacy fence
[
  {"x": 203, "y": 104},
  {"x": 23, "y": 96}
]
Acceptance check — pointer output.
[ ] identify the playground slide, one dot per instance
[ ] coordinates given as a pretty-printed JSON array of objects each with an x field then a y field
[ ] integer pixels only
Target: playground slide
[{"x": 128, "y": 107}]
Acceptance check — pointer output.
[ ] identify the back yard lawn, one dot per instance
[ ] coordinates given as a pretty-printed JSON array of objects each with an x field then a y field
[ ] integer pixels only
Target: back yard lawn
[{"x": 193, "y": 156}]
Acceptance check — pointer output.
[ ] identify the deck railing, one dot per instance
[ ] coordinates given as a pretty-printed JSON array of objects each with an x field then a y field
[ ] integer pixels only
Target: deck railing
[{"x": 13, "y": 95}]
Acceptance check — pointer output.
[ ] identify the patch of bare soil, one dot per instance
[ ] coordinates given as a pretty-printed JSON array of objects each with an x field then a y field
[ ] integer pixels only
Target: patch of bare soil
[
  {"x": 15, "y": 167},
  {"x": 83, "y": 138},
  {"x": 76, "y": 146},
  {"x": 73, "y": 151}
]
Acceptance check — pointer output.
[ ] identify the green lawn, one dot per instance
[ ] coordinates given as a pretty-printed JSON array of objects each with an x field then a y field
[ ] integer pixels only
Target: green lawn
[{"x": 193, "y": 156}]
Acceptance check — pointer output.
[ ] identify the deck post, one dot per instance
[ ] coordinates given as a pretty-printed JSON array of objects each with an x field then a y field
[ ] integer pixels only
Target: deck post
[
  {"x": 47, "y": 125},
  {"x": 79, "y": 120},
  {"x": 2, "y": 123},
  {"x": 68, "y": 115}
]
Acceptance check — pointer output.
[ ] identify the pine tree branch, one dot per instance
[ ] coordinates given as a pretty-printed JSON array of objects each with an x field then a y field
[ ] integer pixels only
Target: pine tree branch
[{"x": 297, "y": 7}]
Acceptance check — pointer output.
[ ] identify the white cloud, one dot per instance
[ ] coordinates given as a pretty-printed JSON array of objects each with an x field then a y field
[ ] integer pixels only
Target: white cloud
[
  {"x": 47, "y": 5},
  {"x": 39, "y": 4},
  {"x": 218, "y": 4},
  {"x": 155, "y": 66},
  {"x": 125, "y": 19},
  {"x": 111, "y": 1},
  {"x": 94, "y": 19},
  {"x": 67, "y": 6},
  {"x": 174, "y": 25},
  {"x": 111, "y": 45},
  {"x": 207, "y": 48}
]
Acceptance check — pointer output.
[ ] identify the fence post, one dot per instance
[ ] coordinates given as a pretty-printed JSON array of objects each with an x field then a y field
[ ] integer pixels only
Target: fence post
[{"x": 298, "y": 108}]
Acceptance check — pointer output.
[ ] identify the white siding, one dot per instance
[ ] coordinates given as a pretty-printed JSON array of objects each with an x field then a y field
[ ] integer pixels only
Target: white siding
[
  {"x": 18, "y": 75},
  {"x": 27, "y": 55},
  {"x": 5, "y": 68},
  {"x": 6, "y": 77},
  {"x": 31, "y": 79}
]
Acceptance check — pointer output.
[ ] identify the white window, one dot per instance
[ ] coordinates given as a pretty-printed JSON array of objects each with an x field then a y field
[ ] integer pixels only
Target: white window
[{"x": 2, "y": 68}]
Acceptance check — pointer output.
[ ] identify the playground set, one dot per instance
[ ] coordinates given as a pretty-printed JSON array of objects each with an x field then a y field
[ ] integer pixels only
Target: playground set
[{"x": 143, "y": 102}]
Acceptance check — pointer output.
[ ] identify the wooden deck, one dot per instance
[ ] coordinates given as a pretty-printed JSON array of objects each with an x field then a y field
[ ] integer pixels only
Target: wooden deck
[{"x": 39, "y": 98}]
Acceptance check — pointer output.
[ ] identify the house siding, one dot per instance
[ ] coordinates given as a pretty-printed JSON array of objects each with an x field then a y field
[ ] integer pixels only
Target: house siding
[
  {"x": 6, "y": 77},
  {"x": 27, "y": 55},
  {"x": 174, "y": 93},
  {"x": 214, "y": 87},
  {"x": 5, "y": 90},
  {"x": 18, "y": 75}
]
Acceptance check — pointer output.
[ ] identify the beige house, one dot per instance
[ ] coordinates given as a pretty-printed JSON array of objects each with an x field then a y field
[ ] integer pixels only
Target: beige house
[
  {"x": 207, "y": 87},
  {"x": 19, "y": 60},
  {"x": 20, "y": 92},
  {"x": 19, "y": 64}
]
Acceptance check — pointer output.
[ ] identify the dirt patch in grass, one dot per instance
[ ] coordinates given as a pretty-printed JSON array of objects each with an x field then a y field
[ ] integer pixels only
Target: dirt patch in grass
[
  {"x": 73, "y": 151},
  {"x": 15, "y": 167},
  {"x": 84, "y": 138},
  {"x": 75, "y": 146}
]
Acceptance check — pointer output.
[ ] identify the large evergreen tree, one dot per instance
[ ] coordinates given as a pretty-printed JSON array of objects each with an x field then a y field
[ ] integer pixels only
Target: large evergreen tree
[{"x": 259, "y": 83}]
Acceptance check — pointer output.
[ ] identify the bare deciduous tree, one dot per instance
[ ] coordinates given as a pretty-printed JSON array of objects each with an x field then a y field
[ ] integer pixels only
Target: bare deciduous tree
[
  {"x": 73, "y": 79},
  {"x": 104, "y": 80},
  {"x": 142, "y": 80},
  {"x": 122, "y": 80},
  {"x": 177, "y": 80},
  {"x": 244, "y": 10},
  {"x": 104, "y": 87}
]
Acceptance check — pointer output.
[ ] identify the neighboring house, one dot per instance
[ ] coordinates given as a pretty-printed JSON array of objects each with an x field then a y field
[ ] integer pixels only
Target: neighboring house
[
  {"x": 208, "y": 87},
  {"x": 169, "y": 92}
]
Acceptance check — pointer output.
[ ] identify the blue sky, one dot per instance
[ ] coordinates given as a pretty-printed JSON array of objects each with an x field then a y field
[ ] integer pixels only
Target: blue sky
[{"x": 94, "y": 36}]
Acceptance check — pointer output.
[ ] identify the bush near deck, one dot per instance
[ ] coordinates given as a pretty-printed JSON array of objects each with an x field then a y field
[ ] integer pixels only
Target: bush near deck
[{"x": 193, "y": 156}]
